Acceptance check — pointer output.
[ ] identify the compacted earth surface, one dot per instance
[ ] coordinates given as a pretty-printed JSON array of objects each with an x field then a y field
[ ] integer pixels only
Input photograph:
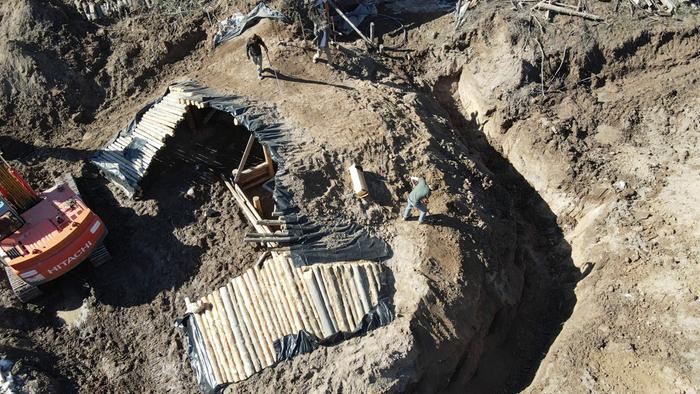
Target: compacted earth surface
[{"x": 561, "y": 250}]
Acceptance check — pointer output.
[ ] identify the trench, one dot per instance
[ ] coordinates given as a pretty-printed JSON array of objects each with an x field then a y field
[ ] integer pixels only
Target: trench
[{"x": 518, "y": 337}]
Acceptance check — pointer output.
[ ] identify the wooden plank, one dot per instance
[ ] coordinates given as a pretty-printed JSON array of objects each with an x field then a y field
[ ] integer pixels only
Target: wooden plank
[{"x": 244, "y": 159}]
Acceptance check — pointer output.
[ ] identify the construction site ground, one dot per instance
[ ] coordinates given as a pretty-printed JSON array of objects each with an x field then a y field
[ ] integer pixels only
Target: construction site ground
[{"x": 561, "y": 253}]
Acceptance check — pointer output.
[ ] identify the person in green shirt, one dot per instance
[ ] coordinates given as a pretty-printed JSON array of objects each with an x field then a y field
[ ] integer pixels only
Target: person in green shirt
[{"x": 418, "y": 198}]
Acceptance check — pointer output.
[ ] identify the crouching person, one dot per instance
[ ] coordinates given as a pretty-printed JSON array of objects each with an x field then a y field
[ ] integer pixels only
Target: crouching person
[{"x": 418, "y": 199}]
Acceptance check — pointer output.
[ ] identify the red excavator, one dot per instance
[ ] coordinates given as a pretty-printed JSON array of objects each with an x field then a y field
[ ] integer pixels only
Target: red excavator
[{"x": 44, "y": 235}]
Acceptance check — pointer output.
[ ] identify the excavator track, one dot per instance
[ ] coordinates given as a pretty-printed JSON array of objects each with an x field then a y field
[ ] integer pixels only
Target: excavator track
[
  {"x": 23, "y": 290},
  {"x": 100, "y": 256}
]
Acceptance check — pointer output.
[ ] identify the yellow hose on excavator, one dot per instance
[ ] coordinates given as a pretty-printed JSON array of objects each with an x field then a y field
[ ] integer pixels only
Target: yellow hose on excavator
[{"x": 17, "y": 192}]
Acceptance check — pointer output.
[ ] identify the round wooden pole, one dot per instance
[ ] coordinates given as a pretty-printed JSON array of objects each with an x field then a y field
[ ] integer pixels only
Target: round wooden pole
[{"x": 248, "y": 368}]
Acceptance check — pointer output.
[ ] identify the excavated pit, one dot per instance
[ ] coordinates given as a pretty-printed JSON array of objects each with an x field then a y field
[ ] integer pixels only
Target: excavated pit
[{"x": 519, "y": 336}]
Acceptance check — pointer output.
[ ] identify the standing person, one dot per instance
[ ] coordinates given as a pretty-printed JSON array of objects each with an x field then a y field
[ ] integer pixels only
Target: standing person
[
  {"x": 322, "y": 41},
  {"x": 418, "y": 198},
  {"x": 253, "y": 50}
]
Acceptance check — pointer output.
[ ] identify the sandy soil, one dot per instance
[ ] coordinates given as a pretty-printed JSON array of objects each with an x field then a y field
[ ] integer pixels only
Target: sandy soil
[{"x": 562, "y": 252}]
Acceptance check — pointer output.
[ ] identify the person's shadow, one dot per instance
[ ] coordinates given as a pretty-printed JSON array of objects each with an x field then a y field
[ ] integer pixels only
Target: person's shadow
[{"x": 271, "y": 73}]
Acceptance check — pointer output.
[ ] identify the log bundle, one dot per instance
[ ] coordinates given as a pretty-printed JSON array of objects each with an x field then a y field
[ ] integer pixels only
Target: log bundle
[
  {"x": 134, "y": 152},
  {"x": 100, "y": 9},
  {"x": 241, "y": 321}
]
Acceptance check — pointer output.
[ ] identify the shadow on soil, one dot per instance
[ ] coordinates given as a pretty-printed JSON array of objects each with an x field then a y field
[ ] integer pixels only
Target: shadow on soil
[{"x": 519, "y": 337}]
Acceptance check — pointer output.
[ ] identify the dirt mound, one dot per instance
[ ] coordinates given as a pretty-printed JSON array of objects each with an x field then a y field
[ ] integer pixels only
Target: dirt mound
[{"x": 45, "y": 60}]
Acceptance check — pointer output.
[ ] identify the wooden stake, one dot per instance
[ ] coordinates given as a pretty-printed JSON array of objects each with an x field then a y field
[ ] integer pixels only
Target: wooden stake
[
  {"x": 248, "y": 147},
  {"x": 567, "y": 11},
  {"x": 304, "y": 291},
  {"x": 268, "y": 313},
  {"x": 268, "y": 160},
  {"x": 288, "y": 290},
  {"x": 342, "y": 15},
  {"x": 268, "y": 287},
  {"x": 258, "y": 205}
]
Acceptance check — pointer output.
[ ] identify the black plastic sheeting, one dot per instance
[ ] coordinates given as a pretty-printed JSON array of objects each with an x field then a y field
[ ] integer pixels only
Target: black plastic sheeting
[
  {"x": 197, "y": 354},
  {"x": 290, "y": 346},
  {"x": 235, "y": 25}
]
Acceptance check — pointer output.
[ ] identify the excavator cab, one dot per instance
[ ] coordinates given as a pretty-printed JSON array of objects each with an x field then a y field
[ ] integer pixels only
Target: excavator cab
[
  {"x": 10, "y": 221},
  {"x": 44, "y": 235}
]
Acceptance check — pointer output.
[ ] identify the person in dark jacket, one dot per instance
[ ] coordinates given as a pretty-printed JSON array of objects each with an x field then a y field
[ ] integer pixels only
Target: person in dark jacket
[
  {"x": 253, "y": 50},
  {"x": 418, "y": 199}
]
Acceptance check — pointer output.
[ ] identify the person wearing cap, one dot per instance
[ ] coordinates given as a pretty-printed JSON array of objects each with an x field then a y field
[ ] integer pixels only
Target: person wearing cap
[{"x": 418, "y": 198}]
